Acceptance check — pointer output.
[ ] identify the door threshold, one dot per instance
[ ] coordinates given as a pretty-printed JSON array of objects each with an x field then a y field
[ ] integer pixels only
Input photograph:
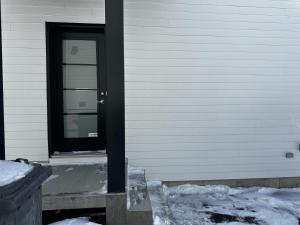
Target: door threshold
[{"x": 78, "y": 157}]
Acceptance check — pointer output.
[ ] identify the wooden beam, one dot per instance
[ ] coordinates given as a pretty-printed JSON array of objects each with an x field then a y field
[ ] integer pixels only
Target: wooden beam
[{"x": 115, "y": 113}]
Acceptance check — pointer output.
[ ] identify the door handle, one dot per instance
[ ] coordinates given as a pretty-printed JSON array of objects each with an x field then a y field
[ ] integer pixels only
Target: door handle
[{"x": 101, "y": 101}]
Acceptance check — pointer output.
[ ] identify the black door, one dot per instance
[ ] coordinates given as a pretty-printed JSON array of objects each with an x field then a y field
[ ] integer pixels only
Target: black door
[{"x": 76, "y": 88}]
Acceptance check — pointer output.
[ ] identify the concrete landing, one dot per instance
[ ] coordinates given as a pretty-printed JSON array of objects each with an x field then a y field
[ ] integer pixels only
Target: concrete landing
[
  {"x": 139, "y": 210},
  {"x": 75, "y": 186}
]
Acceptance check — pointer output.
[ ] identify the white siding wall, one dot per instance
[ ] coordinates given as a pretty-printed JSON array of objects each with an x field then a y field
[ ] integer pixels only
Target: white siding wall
[
  {"x": 212, "y": 86},
  {"x": 24, "y": 58}
]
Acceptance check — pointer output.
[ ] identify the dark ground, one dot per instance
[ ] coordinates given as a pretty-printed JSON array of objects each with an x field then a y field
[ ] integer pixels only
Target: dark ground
[{"x": 96, "y": 215}]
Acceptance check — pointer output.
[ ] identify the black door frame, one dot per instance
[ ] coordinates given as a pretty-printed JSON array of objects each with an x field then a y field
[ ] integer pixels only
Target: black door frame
[
  {"x": 2, "y": 140},
  {"x": 56, "y": 32}
]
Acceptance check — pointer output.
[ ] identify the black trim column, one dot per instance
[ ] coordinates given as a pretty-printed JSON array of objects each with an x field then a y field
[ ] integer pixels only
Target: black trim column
[
  {"x": 115, "y": 112},
  {"x": 2, "y": 145}
]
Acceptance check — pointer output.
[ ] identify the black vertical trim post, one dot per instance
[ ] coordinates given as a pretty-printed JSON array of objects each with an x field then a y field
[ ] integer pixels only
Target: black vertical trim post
[
  {"x": 2, "y": 145},
  {"x": 115, "y": 122}
]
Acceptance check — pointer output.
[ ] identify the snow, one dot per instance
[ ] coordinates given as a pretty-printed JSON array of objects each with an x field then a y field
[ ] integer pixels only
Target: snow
[
  {"x": 12, "y": 171},
  {"x": 136, "y": 186},
  {"x": 76, "y": 221},
  {"x": 222, "y": 205},
  {"x": 52, "y": 177},
  {"x": 161, "y": 212},
  {"x": 69, "y": 169}
]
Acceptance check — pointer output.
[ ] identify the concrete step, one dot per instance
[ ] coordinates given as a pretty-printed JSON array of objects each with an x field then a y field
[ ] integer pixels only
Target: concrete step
[
  {"x": 161, "y": 211},
  {"x": 75, "y": 186},
  {"x": 139, "y": 210}
]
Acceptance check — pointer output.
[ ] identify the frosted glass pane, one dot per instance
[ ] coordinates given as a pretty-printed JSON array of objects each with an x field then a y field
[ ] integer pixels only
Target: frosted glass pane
[
  {"x": 80, "y": 126},
  {"x": 80, "y": 76},
  {"x": 79, "y": 51},
  {"x": 80, "y": 101}
]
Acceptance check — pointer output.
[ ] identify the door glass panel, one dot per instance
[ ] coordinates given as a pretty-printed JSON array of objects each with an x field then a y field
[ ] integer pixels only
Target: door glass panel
[
  {"x": 80, "y": 101},
  {"x": 80, "y": 88},
  {"x": 77, "y": 76},
  {"x": 80, "y": 126},
  {"x": 79, "y": 52}
]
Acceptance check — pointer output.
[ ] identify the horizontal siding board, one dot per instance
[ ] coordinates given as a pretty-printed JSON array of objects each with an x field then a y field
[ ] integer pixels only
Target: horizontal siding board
[
  {"x": 212, "y": 93},
  {"x": 213, "y": 109},
  {"x": 28, "y": 135},
  {"x": 210, "y": 155},
  {"x": 209, "y": 131},
  {"x": 37, "y": 143},
  {"x": 211, "y": 79},
  {"x": 211, "y": 70},
  {"x": 40, "y": 44},
  {"x": 225, "y": 174},
  {"x": 23, "y": 127},
  {"x": 25, "y": 94},
  {"x": 210, "y": 124},
  {"x": 214, "y": 47},
  {"x": 169, "y": 149},
  {"x": 225, "y": 168},
  {"x": 21, "y": 110},
  {"x": 227, "y": 161},
  {"x": 236, "y": 3},
  {"x": 23, "y": 52},
  {"x": 239, "y": 138},
  {"x": 19, "y": 119},
  {"x": 39, "y": 69},
  {"x": 25, "y": 85},
  {"x": 19, "y": 77},
  {"x": 16, "y": 3},
  {"x": 43, "y": 10},
  {"x": 210, "y": 86},
  {"x": 255, "y": 102}
]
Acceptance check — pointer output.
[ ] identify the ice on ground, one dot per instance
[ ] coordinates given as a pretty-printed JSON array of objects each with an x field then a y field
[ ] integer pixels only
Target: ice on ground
[
  {"x": 76, "y": 221},
  {"x": 12, "y": 171},
  {"x": 222, "y": 205},
  {"x": 136, "y": 187},
  {"x": 161, "y": 212}
]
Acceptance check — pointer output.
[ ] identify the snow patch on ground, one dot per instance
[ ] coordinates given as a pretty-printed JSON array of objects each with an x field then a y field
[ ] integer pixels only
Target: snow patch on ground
[
  {"x": 69, "y": 169},
  {"x": 222, "y": 205},
  {"x": 52, "y": 177},
  {"x": 161, "y": 211},
  {"x": 12, "y": 171},
  {"x": 77, "y": 221}
]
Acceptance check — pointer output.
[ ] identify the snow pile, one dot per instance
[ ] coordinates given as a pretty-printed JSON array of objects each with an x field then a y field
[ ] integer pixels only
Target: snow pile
[
  {"x": 210, "y": 205},
  {"x": 161, "y": 212},
  {"x": 12, "y": 171},
  {"x": 77, "y": 221},
  {"x": 136, "y": 186}
]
